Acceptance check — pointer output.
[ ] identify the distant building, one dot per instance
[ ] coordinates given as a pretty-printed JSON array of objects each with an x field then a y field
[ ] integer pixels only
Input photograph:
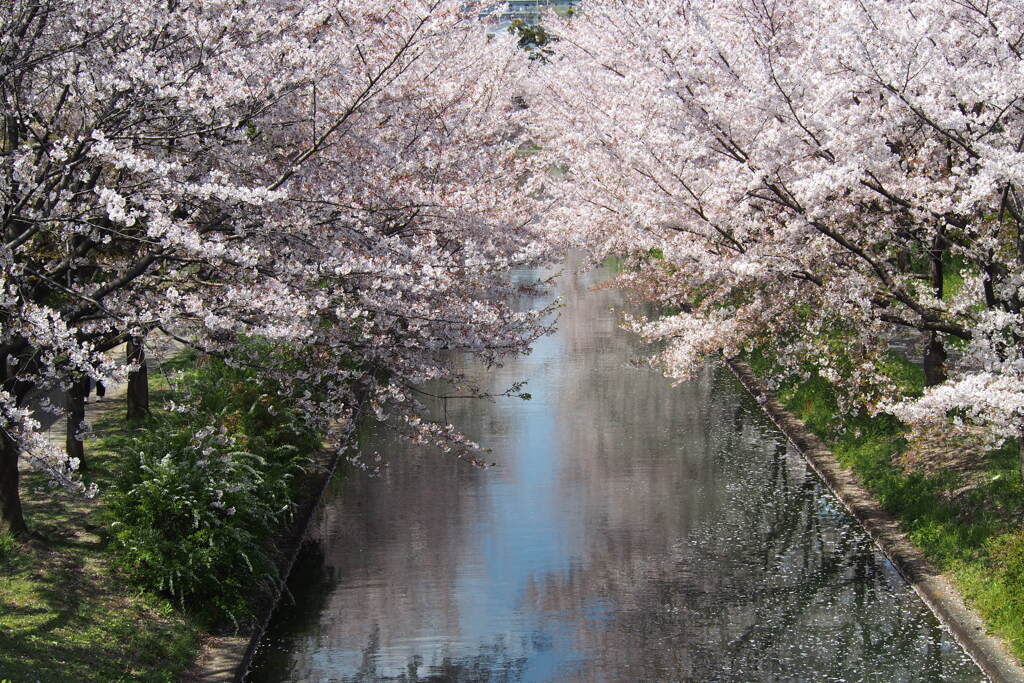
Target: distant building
[
  {"x": 531, "y": 11},
  {"x": 501, "y": 14}
]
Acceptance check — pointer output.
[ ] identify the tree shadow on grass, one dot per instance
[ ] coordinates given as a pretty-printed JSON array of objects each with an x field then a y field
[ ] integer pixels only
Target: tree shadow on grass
[
  {"x": 65, "y": 615},
  {"x": 63, "y": 619}
]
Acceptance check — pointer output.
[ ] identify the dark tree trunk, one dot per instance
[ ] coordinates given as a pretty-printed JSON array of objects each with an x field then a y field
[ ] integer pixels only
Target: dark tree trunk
[
  {"x": 76, "y": 416},
  {"x": 934, "y": 361},
  {"x": 138, "y": 381},
  {"x": 903, "y": 261},
  {"x": 1020, "y": 453},
  {"x": 935, "y": 352},
  {"x": 11, "y": 518}
]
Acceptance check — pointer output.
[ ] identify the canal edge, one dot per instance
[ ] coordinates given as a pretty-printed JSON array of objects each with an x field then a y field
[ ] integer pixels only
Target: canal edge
[
  {"x": 227, "y": 659},
  {"x": 935, "y": 589}
]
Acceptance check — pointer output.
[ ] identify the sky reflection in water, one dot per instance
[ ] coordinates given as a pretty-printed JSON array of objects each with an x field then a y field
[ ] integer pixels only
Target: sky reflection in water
[{"x": 632, "y": 530}]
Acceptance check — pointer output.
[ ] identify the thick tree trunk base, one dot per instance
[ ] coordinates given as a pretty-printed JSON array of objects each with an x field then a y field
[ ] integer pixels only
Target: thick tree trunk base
[
  {"x": 934, "y": 361},
  {"x": 76, "y": 417},
  {"x": 11, "y": 517},
  {"x": 137, "y": 394}
]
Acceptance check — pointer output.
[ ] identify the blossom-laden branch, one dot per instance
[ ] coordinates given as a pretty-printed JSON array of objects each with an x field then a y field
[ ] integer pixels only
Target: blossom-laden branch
[
  {"x": 783, "y": 169},
  {"x": 340, "y": 177}
]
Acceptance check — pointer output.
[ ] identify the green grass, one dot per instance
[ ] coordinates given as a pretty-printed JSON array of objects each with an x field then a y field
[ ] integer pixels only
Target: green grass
[
  {"x": 64, "y": 614},
  {"x": 952, "y": 283},
  {"x": 614, "y": 263},
  {"x": 66, "y": 611},
  {"x": 8, "y": 548},
  {"x": 973, "y": 533}
]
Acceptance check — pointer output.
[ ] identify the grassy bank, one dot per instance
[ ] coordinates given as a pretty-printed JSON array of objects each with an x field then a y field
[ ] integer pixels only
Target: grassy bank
[
  {"x": 963, "y": 507},
  {"x": 122, "y": 586},
  {"x": 66, "y": 612}
]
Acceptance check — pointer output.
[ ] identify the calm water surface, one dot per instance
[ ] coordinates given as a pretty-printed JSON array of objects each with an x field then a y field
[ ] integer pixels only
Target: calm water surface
[{"x": 631, "y": 531}]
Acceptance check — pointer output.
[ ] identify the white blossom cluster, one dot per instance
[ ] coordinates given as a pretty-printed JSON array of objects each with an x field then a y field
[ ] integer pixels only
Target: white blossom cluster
[
  {"x": 344, "y": 177},
  {"x": 791, "y": 172}
]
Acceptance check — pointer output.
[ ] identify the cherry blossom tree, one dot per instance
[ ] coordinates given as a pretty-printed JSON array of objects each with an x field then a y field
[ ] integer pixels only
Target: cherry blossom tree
[
  {"x": 340, "y": 177},
  {"x": 780, "y": 169}
]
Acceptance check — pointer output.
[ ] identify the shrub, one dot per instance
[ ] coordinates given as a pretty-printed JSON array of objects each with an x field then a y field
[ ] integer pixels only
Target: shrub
[
  {"x": 202, "y": 489},
  {"x": 7, "y": 548},
  {"x": 193, "y": 514}
]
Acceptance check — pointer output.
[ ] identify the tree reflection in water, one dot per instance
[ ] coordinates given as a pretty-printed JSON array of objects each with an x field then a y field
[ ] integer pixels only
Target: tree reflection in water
[
  {"x": 632, "y": 531},
  {"x": 492, "y": 662}
]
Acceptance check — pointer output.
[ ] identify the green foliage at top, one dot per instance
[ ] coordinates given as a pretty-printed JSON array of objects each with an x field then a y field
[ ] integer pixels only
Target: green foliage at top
[
  {"x": 202, "y": 489},
  {"x": 533, "y": 38},
  {"x": 249, "y": 403}
]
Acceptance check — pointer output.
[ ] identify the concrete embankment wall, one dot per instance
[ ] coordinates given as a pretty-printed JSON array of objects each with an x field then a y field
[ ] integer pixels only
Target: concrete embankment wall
[{"x": 935, "y": 588}]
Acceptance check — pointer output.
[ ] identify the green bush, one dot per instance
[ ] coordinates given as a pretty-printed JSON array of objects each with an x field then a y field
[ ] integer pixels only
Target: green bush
[
  {"x": 202, "y": 490},
  {"x": 193, "y": 513},
  {"x": 254, "y": 407},
  {"x": 7, "y": 548}
]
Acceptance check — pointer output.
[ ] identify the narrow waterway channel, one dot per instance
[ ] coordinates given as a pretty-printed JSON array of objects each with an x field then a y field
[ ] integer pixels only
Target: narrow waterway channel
[{"x": 631, "y": 531}]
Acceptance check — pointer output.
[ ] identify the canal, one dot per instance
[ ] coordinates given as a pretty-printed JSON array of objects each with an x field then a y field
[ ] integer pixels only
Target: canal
[{"x": 631, "y": 530}]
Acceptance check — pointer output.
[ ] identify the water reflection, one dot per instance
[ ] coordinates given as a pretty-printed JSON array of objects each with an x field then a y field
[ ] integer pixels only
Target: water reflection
[{"x": 632, "y": 531}]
